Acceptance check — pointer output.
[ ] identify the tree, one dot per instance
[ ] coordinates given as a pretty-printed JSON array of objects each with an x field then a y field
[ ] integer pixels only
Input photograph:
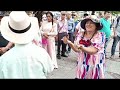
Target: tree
[{"x": 115, "y": 12}]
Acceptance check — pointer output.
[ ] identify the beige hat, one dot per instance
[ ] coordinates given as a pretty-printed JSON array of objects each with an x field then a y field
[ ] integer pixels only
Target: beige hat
[{"x": 18, "y": 27}]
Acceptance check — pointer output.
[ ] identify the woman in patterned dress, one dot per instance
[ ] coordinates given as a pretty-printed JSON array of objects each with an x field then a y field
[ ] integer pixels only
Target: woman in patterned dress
[{"x": 89, "y": 45}]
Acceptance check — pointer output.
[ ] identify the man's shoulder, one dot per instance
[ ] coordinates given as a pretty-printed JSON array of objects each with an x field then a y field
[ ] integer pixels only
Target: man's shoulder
[{"x": 101, "y": 19}]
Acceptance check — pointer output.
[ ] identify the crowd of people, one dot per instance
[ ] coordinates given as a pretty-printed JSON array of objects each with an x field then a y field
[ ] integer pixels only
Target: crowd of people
[{"x": 28, "y": 47}]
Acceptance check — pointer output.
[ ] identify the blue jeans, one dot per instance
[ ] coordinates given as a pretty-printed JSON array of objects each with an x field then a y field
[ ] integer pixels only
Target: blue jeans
[
  {"x": 106, "y": 43},
  {"x": 115, "y": 42}
]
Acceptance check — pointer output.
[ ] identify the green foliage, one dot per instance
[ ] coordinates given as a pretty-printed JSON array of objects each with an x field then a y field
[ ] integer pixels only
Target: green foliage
[{"x": 115, "y": 12}]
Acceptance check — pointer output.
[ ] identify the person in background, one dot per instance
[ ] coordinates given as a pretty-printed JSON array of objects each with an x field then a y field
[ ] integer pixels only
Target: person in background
[
  {"x": 25, "y": 60},
  {"x": 89, "y": 45},
  {"x": 5, "y": 45},
  {"x": 37, "y": 40},
  {"x": 49, "y": 31},
  {"x": 71, "y": 26},
  {"x": 116, "y": 37},
  {"x": 62, "y": 31},
  {"x": 106, "y": 28},
  {"x": 78, "y": 28}
]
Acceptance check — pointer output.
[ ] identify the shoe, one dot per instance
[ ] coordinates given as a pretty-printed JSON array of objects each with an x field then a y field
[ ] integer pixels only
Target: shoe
[
  {"x": 112, "y": 57},
  {"x": 58, "y": 57},
  {"x": 106, "y": 57},
  {"x": 63, "y": 55}
]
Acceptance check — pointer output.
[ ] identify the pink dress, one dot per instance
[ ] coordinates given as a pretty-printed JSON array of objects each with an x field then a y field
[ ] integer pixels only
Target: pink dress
[
  {"x": 91, "y": 66},
  {"x": 50, "y": 46}
]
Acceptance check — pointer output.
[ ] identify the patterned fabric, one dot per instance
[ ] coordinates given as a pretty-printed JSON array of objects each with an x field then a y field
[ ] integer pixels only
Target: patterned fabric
[{"x": 91, "y": 66}]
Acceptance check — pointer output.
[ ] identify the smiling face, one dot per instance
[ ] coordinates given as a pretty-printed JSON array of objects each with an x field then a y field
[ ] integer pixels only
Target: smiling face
[{"x": 90, "y": 26}]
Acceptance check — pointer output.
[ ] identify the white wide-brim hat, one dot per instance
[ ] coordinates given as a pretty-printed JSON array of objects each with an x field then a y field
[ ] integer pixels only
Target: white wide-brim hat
[{"x": 19, "y": 28}]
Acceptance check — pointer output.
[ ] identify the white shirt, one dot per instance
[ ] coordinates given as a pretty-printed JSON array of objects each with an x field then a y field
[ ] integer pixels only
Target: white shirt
[
  {"x": 47, "y": 27},
  {"x": 25, "y": 61}
]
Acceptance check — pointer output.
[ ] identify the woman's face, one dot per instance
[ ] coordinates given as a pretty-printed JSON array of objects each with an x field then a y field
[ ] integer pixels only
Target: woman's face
[
  {"x": 90, "y": 26},
  {"x": 49, "y": 17},
  {"x": 63, "y": 16}
]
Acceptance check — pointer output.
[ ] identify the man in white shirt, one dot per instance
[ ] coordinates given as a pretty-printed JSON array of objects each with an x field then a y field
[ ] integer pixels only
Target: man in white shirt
[{"x": 25, "y": 60}]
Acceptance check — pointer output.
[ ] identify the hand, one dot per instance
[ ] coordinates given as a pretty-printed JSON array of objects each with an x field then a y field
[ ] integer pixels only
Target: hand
[
  {"x": 65, "y": 39},
  {"x": 0, "y": 51},
  {"x": 3, "y": 50},
  {"x": 80, "y": 46},
  {"x": 46, "y": 35}
]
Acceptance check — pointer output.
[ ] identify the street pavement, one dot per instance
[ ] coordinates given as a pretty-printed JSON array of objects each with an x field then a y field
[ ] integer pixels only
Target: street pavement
[{"x": 67, "y": 66}]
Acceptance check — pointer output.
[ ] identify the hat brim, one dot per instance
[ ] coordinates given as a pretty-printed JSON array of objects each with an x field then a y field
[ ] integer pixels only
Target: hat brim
[
  {"x": 99, "y": 26},
  {"x": 17, "y": 38}
]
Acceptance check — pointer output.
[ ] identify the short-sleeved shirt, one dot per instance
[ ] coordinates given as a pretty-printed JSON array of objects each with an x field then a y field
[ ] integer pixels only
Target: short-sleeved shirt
[{"x": 106, "y": 27}]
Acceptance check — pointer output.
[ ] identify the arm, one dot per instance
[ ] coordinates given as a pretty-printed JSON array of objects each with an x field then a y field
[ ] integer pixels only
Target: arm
[
  {"x": 4, "y": 49},
  {"x": 74, "y": 47},
  {"x": 77, "y": 28},
  {"x": 9, "y": 45},
  {"x": 41, "y": 29},
  {"x": 89, "y": 50},
  {"x": 54, "y": 31},
  {"x": 114, "y": 27},
  {"x": 66, "y": 26}
]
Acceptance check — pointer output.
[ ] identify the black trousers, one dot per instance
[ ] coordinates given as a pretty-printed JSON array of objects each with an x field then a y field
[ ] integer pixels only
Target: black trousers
[
  {"x": 71, "y": 39},
  {"x": 60, "y": 42}
]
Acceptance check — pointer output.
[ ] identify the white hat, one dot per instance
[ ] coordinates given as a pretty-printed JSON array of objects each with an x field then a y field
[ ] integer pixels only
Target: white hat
[{"x": 18, "y": 27}]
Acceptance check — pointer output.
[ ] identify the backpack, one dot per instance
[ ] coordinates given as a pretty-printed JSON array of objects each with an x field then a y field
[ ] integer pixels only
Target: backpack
[{"x": 117, "y": 22}]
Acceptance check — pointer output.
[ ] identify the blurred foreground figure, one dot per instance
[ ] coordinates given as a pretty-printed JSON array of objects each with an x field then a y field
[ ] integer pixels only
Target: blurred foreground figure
[{"x": 25, "y": 59}]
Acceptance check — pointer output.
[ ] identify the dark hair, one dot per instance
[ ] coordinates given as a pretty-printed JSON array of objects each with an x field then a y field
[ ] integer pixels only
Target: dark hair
[
  {"x": 106, "y": 12},
  {"x": 85, "y": 15},
  {"x": 51, "y": 15}
]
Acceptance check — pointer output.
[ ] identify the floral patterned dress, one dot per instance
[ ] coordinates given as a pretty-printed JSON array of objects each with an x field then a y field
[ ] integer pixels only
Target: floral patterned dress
[{"x": 91, "y": 66}]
